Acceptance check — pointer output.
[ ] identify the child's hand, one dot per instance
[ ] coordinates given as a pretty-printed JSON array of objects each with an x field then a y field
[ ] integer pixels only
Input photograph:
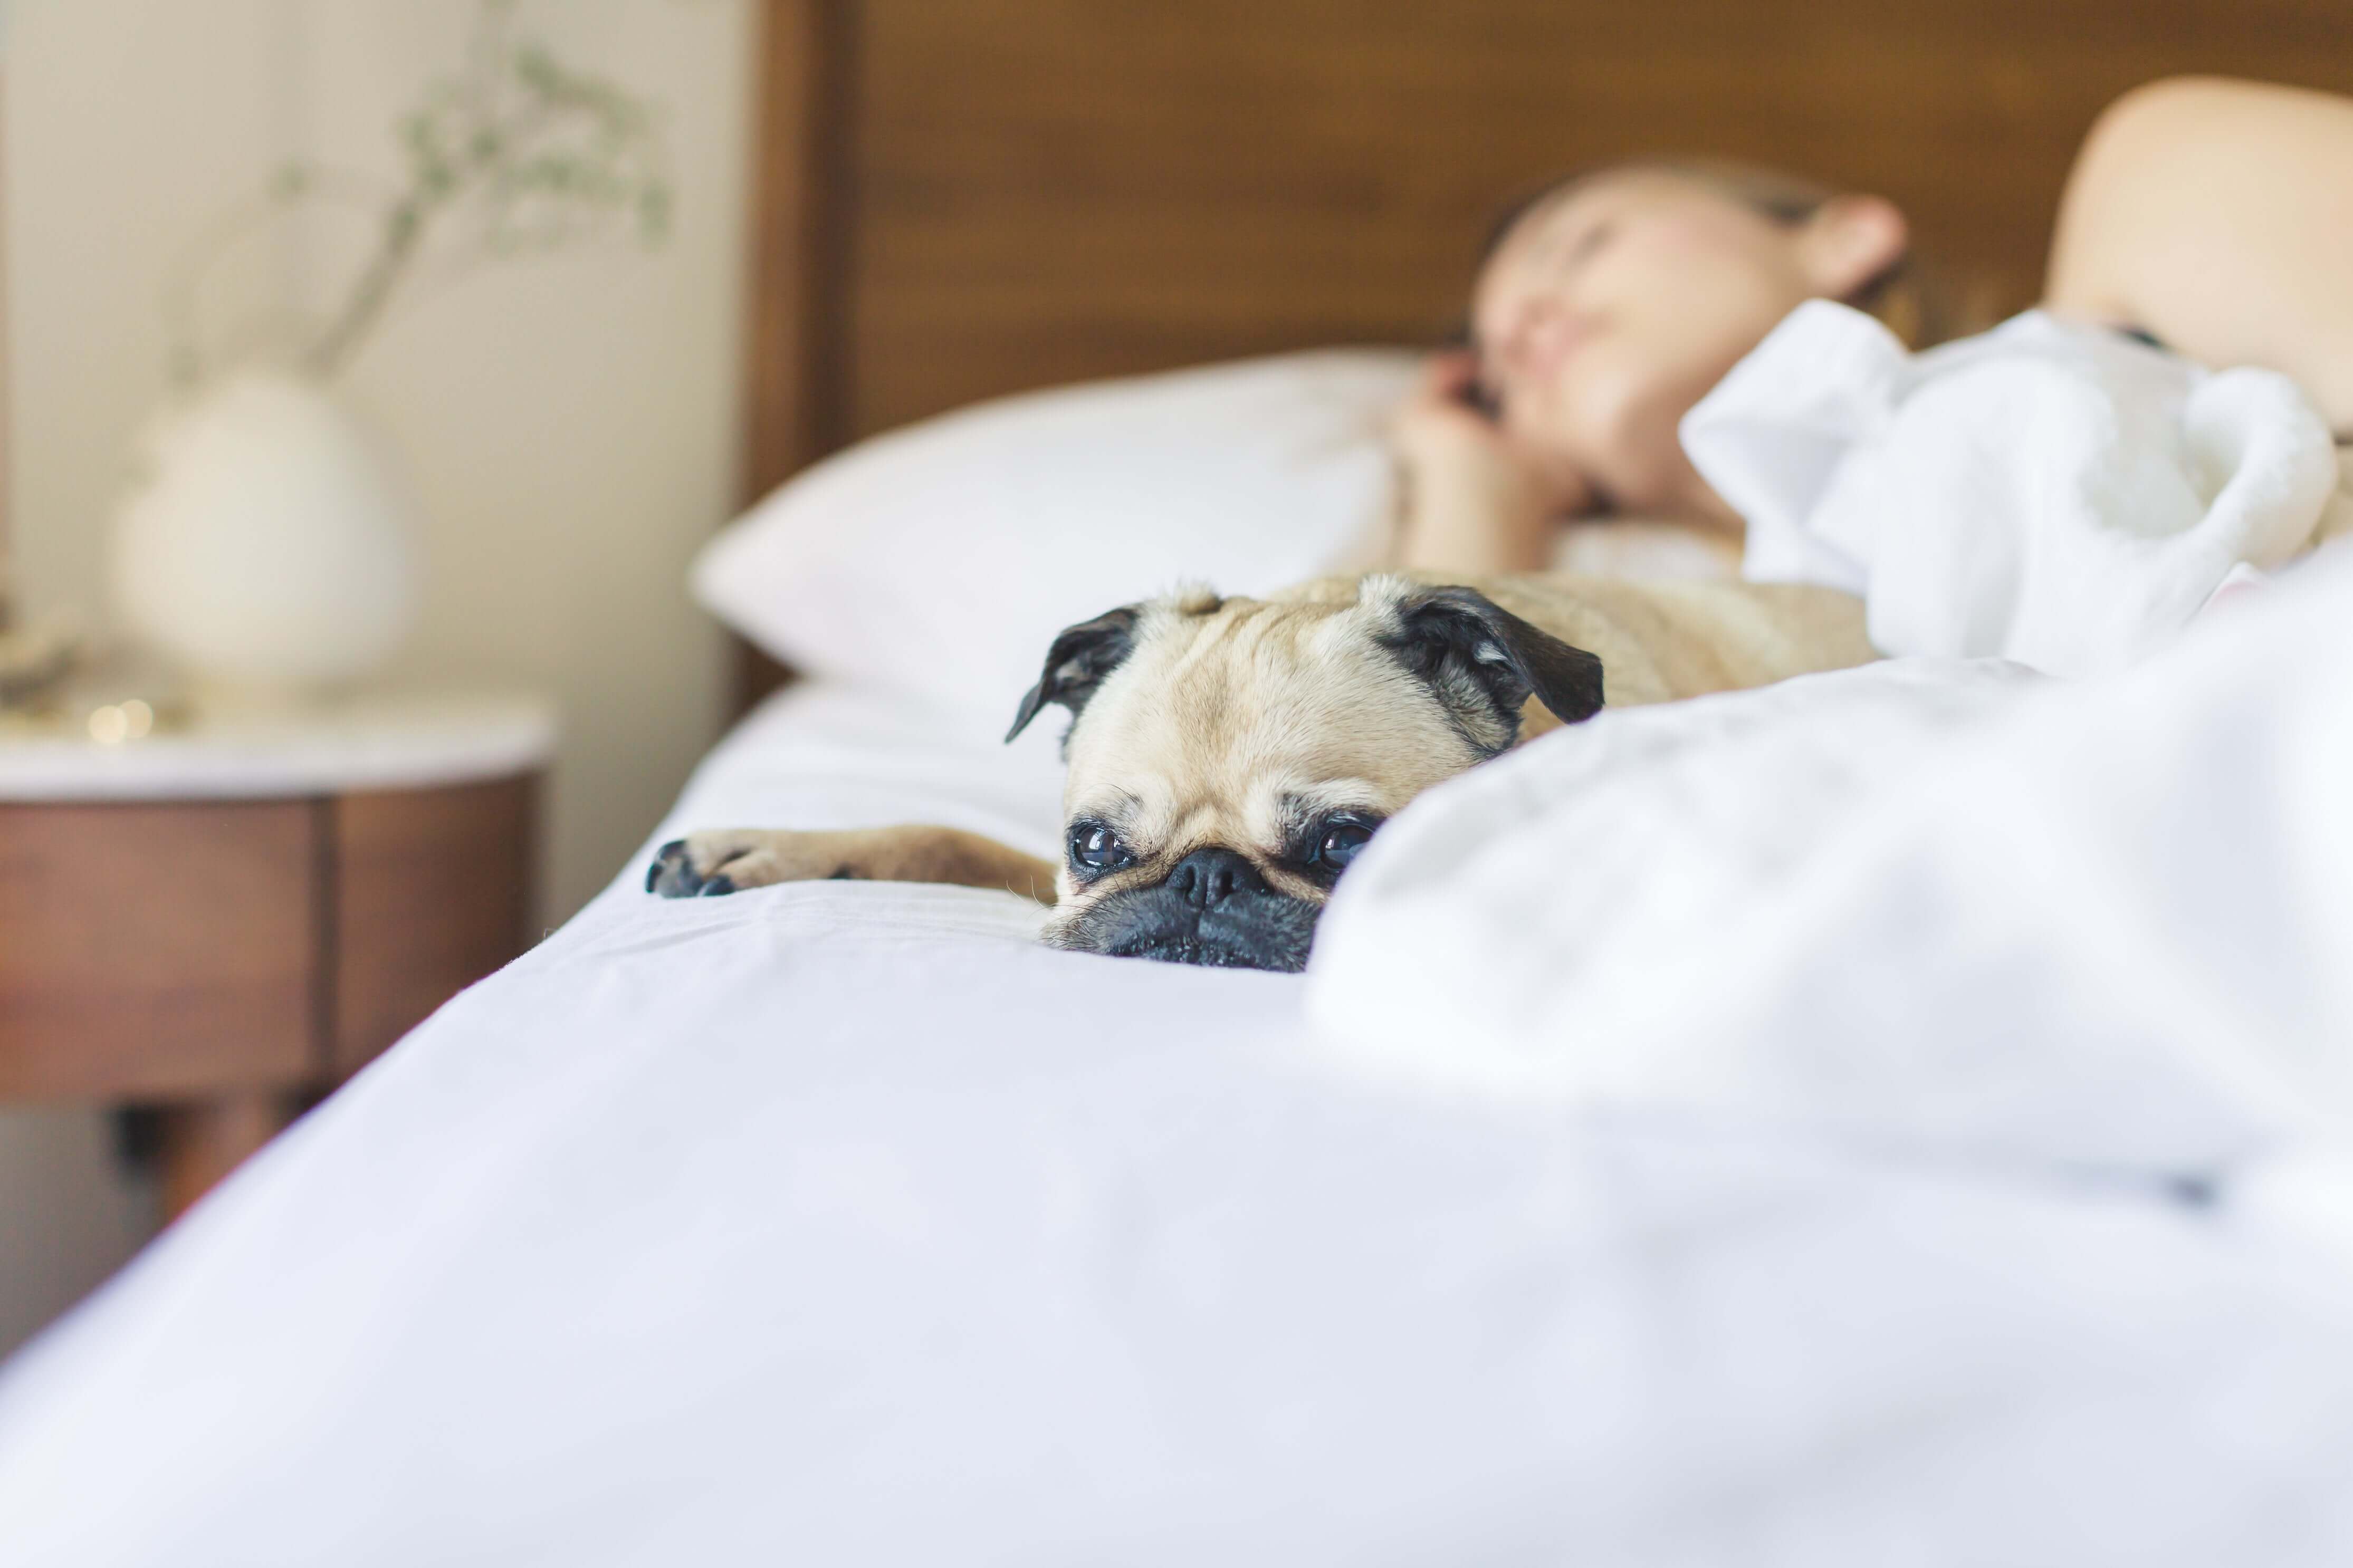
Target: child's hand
[
  {"x": 1475, "y": 503},
  {"x": 1439, "y": 425}
]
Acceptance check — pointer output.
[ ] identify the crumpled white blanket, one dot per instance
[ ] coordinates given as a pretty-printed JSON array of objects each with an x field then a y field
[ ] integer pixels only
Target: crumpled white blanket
[
  {"x": 1933, "y": 904},
  {"x": 2049, "y": 493}
]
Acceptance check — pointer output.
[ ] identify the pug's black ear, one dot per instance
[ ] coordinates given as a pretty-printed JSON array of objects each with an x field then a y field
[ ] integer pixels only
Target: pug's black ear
[
  {"x": 1082, "y": 656},
  {"x": 1484, "y": 662}
]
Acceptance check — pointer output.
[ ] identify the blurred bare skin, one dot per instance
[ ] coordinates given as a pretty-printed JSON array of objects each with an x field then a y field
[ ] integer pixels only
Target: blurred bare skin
[{"x": 2216, "y": 215}]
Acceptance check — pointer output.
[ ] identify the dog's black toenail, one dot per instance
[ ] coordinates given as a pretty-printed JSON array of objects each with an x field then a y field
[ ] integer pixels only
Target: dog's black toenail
[
  {"x": 716, "y": 887},
  {"x": 668, "y": 860},
  {"x": 844, "y": 875}
]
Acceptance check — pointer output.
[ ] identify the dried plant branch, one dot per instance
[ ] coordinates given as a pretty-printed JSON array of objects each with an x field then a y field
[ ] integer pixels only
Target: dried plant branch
[
  {"x": 514, "y": 156},
  {"x": 288, "y": 191}
]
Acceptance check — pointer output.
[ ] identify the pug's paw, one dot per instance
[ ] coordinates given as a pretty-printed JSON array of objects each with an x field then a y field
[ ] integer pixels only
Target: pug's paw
[{"x": 728, "y": 860}]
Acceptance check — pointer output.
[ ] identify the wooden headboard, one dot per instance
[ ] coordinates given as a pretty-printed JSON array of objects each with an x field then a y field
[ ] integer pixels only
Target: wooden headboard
[{"x": 958, "y": 198}]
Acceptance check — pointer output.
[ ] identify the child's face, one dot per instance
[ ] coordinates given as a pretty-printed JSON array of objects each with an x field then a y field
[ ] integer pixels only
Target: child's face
[{"x": 1613, "y": 307}]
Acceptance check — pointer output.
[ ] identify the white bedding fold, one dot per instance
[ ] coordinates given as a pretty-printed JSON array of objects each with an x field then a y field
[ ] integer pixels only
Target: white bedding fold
[
  {"x": 2049, "y": 491},
  {"x": 2104, "y": 923}
]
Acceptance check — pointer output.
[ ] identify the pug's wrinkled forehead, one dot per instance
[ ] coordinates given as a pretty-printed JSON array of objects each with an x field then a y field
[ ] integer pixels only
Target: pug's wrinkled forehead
[
  {"x": 1234, "y": 723},
  {"x": 1199, "y": 721}
]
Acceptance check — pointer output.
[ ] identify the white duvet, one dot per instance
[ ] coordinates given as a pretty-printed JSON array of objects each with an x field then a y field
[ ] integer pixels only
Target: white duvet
[
  {"x": 2106, "y": 923},
  {"x": 2049, "y": 491},
  {"x": 1886, "y": 1121}
]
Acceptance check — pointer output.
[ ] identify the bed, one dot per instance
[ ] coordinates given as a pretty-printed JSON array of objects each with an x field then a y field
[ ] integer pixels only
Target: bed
[{"x": 843, "y": 1223}]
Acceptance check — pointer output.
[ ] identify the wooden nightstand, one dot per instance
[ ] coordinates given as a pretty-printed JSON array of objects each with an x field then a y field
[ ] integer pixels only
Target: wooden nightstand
[{"x": 225, "y": 922}]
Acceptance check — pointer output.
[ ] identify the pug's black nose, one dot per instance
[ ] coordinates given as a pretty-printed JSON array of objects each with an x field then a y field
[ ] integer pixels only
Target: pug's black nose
[{"x": 1208, "y": 878}]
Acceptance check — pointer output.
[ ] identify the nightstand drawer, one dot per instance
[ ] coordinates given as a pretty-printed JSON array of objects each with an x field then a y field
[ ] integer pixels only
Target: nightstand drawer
[
  {"x": 147, "y": 950},
  {"x": 223, "y": 923},
  {"x": 432, "y": 892}
]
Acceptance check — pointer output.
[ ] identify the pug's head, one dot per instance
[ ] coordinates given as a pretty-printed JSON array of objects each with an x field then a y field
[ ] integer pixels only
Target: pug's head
[{"x": 1228, "y": 757}]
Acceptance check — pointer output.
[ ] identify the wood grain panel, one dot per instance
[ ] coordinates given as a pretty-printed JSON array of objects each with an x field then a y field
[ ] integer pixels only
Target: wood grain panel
[
  {"x": 147, "y": 951},
  {"x": 430, "y": 895},
  {"x": 1045, "y": 190},
  {"x": 796, "y": 368},
  {"x": 794, "y": 372}
]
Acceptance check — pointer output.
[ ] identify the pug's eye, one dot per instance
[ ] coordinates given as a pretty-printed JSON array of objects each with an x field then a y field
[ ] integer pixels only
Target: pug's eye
[
  {"x": 1095, "y": 847},
  {"x": 1340, "y": 842}
]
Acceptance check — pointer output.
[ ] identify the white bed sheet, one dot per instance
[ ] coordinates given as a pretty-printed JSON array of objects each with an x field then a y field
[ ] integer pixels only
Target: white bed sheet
[{"x": 842, "y": 1223}]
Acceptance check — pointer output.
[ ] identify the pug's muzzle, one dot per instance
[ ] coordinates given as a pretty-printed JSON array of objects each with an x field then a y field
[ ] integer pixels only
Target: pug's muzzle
[{"x": 1214, "y": 909}]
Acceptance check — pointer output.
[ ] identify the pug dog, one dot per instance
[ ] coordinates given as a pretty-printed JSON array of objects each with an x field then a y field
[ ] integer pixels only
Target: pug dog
[{"x": 1228, "y": 758}]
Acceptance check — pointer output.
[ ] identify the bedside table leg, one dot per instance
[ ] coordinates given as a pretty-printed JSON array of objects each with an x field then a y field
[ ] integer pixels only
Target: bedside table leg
[{"x": 203, "y": 1140}]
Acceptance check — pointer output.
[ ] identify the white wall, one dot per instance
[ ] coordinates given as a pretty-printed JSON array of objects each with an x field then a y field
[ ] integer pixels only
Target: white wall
[{"x": 570, "y": 421}]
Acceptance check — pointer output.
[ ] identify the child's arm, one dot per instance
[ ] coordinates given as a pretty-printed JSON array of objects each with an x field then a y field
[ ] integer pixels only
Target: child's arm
[{"x": 2218, "y": 215}]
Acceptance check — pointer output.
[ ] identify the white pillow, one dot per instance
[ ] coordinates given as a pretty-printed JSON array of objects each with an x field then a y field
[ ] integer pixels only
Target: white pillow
[{"x": 940, "y": 560}]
